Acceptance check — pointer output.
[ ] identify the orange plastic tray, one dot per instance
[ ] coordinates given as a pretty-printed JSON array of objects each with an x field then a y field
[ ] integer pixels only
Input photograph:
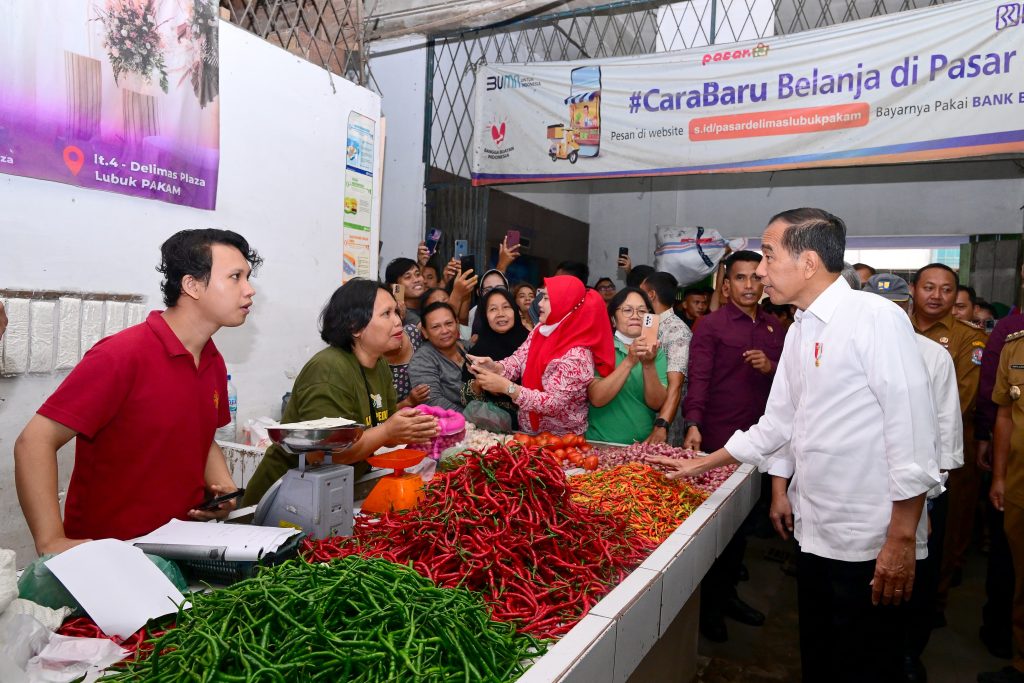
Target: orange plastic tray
[{"x": 397, "y": 460}]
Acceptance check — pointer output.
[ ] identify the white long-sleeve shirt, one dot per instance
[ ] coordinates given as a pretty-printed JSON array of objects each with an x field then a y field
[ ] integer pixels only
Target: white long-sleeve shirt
[{"x": 851, "y": 397}]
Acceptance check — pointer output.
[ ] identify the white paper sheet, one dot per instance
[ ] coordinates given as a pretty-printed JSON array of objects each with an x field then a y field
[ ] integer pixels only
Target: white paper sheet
[
  {"x": 240, "y": 542},
  {"x": 116, "y": 585}
]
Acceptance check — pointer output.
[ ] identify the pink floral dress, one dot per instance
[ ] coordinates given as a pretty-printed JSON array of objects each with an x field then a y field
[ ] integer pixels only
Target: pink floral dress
[{"x": 562, "y": 404}]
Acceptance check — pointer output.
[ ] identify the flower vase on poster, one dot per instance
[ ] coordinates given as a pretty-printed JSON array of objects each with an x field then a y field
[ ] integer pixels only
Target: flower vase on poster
[
  {"x": 200, "y": 33},
  {"x": 133, "y": 41}
]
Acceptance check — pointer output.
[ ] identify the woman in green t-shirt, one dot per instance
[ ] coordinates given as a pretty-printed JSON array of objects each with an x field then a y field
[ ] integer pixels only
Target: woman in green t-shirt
[
  {"x": 351, "y": 379},
  {"x": 623, "y": 405}
]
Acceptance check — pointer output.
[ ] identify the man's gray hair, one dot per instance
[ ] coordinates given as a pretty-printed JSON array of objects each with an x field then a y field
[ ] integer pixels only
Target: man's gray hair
[{"x": 851, "y": 276}]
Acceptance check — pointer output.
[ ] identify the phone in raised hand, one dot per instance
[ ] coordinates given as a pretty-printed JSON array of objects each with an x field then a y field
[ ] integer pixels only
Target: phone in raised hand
[
  {"x": 461, "y": 248},
  {"x": 650, "y": 331},
  {"x": 433, "y": 237}
]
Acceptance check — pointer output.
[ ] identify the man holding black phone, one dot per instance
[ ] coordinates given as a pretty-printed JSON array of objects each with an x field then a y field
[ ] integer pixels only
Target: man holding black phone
[{"x": 143, "y": 406}]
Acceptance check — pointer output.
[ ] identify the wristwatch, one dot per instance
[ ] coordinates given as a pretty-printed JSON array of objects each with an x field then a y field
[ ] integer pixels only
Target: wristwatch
[
  {"x": 511, "y": 389},
  {"x": 662, "y": 422}
]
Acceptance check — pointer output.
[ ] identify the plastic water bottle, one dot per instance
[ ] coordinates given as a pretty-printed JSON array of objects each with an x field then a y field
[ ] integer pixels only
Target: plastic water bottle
[{"x": 228, "y": 431}]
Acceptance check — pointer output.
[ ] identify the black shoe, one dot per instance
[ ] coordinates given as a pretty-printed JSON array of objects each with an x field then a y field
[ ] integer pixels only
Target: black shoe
[
  {"x": 913, "y": 670},
  {"x": 1005, "y": 675},
  {"x": 939, "y": 620},
  {"x": 740, "y": 611},
  {"x": 713, "y": 628},
  {"x": 1001, "y": 647},
  {"x": 743, "y": 574}
]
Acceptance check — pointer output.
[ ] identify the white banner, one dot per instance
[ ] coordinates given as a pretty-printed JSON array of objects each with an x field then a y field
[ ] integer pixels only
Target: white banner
[{"x": 940, "y": 83}]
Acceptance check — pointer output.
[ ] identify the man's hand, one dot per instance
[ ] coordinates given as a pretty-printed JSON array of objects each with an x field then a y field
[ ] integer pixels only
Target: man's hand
[
  {"x": 464, "y": 284},
  {"x": 983, "y": 449},
  {"x": 419, "y": 394},
  {"x": 625, "y": 263},
  {"x": 893, "y": 582},
  {"x": 657, "y": 435},
  {"x": 452, "y": 270},
  {"x": 680, "y": 468},
  {"x": 997, "y": 493},
  {"x": 422, "y": 254},
  {"x": 506, "y": 255},
  {"x": 692, "y": 439},
  {"x": 758, "y": 361},
  {"x": 781, "y": 511},
  {"x": 222, "y": 510}
]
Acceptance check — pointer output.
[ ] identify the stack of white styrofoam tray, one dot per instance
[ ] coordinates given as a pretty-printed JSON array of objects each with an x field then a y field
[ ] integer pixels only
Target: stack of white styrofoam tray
[{"x": 608, "y": 644}]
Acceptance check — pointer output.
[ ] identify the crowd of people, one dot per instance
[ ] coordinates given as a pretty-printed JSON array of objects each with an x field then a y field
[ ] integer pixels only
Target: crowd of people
[{"x": 879, "y": 408}]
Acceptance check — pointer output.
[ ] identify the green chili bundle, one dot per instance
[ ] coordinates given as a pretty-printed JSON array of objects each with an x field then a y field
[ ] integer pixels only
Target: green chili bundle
[{"x": 353, "y": 619}]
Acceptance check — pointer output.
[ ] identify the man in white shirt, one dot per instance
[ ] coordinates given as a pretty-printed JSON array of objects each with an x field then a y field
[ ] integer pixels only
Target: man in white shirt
[{"x": 851, "y": 409}]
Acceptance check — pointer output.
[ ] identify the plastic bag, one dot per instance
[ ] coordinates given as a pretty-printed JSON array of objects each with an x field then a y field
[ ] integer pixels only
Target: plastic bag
[
  {"x": 691, "y": 254},
  {"x": 488, "y": 416},
  {"x": 38, "y": 584}
]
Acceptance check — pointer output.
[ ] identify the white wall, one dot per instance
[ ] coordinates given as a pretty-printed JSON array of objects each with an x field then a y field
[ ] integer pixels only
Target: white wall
[
  {"x": 567, "y": 198},
  {"x": 282, "y": 173},
  {"x": 955, "y": 198},
  {"x": 399, "y": 68}
]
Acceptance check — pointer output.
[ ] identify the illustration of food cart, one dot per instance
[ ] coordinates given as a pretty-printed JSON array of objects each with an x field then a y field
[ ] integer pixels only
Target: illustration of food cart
[{"x": 581, "y": 136}]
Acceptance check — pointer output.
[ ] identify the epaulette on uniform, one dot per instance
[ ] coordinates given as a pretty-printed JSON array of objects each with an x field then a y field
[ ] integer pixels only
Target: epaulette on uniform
[
  {"x": 1015, "y": 336},
  {"x": 973, "y": 325}
]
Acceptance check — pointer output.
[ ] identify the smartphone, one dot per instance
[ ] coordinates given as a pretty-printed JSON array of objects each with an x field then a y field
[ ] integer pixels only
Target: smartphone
[
  {"x": 511, "y": 238},
  {"x": 399, "y": 292},
  {"x": 433, "y": 237},
  {"x": 214, "y": 503},
  {"x": 468, "y": 262},
  {"x": 461, "y": 248},
  {"x": 623, "y": 251},
  {"x": 650, "y": 332}
]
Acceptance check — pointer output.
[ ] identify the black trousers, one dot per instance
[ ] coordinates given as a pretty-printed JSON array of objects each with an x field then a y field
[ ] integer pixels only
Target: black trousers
[
  {"x": 924, "y": 602},
  {"x": 843, "y": 638},
  {"x": 996, "y": 613}
]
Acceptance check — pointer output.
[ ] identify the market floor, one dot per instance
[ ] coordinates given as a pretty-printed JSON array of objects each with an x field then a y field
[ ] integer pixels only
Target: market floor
[{"x": 770, "y": 654}]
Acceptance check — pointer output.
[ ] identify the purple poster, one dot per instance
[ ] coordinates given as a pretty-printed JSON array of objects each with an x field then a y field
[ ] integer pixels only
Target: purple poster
[{"x": 115, "y": 95}]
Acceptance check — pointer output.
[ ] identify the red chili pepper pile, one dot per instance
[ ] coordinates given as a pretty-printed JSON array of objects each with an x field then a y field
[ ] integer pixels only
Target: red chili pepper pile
[
  {"x": 651, "y": 504},
  {"x": 137, "y": 644},
  {"x": 504, "y": 524}
]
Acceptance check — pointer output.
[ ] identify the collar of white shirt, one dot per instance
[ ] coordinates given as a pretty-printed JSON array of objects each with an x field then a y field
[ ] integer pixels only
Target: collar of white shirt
[{"x": 827, "y": 302}]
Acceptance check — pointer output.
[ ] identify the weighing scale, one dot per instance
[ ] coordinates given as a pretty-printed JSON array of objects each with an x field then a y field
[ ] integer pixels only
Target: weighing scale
[
  {"x": 398, "y": 490},
  {"x": 314, "y": 498}
]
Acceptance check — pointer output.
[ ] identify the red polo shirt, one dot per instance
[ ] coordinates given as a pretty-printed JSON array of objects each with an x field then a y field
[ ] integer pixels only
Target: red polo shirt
[{"x": 145, "y": 417}]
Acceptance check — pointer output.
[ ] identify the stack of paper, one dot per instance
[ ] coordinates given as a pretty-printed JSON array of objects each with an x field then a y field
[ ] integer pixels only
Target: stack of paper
[{"x": 178, "y": 540}]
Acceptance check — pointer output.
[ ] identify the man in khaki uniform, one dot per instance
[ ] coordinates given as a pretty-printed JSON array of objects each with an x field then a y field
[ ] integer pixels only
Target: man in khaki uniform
[
  {"x": 934, "y": 292},
  {"x": 1007, "y": 492}
]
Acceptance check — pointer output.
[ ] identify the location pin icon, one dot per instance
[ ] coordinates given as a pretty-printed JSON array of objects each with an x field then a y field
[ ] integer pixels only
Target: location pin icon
[{"x": 73, "y": 159}]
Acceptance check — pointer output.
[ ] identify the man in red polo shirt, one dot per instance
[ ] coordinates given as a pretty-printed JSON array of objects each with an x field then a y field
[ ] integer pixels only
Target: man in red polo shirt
[{"x": 143, "y": 406}]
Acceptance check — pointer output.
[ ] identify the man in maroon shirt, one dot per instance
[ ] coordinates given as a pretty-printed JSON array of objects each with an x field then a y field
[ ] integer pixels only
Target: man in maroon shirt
[
  {"x": 143, "y": 406},
  {"x": 733, "y": 356}
]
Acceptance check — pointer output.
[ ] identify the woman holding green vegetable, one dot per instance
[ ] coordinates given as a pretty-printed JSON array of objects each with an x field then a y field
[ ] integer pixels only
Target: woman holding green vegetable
[{"x": 351, "y": 379}]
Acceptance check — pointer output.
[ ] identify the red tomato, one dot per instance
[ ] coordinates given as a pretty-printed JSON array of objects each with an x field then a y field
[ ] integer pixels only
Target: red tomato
[
  {"x": 585, "y": 447},
  {"x": 560, "y": 453},
  {"x": 522, "y": 438},
  {"x": 575, "y": 458},
  {"x": 590, "y": 463}
]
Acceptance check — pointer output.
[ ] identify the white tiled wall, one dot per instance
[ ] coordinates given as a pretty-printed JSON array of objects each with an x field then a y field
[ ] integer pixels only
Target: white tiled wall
[{"x": 49, "y": 334}]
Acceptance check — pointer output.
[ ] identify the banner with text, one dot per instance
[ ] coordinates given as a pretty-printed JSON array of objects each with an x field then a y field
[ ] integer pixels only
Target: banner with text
[
  {"x": 940, "y": 83},
  {"x": 116, "y": 95}
]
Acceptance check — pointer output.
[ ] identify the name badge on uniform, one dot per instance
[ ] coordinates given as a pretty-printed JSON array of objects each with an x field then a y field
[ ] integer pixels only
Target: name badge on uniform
[
  {"x": 818, "y": 350},
  {"x": 1015, "y": 393}
]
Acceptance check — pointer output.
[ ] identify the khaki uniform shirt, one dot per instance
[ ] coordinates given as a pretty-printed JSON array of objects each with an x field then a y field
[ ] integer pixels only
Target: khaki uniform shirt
[
  {"x": 1007, "y": 392},
  {"x": 966, "y": 343}
]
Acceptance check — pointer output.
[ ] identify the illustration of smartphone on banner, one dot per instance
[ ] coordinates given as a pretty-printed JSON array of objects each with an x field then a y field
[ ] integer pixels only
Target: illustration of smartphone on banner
[{"x": 585, "y": 108}]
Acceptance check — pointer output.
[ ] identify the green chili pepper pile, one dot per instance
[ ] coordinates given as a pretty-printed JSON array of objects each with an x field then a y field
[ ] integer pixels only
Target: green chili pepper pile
[
  {"x": 505, "y": 524},
  {"x": 352, "y": 619}
]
